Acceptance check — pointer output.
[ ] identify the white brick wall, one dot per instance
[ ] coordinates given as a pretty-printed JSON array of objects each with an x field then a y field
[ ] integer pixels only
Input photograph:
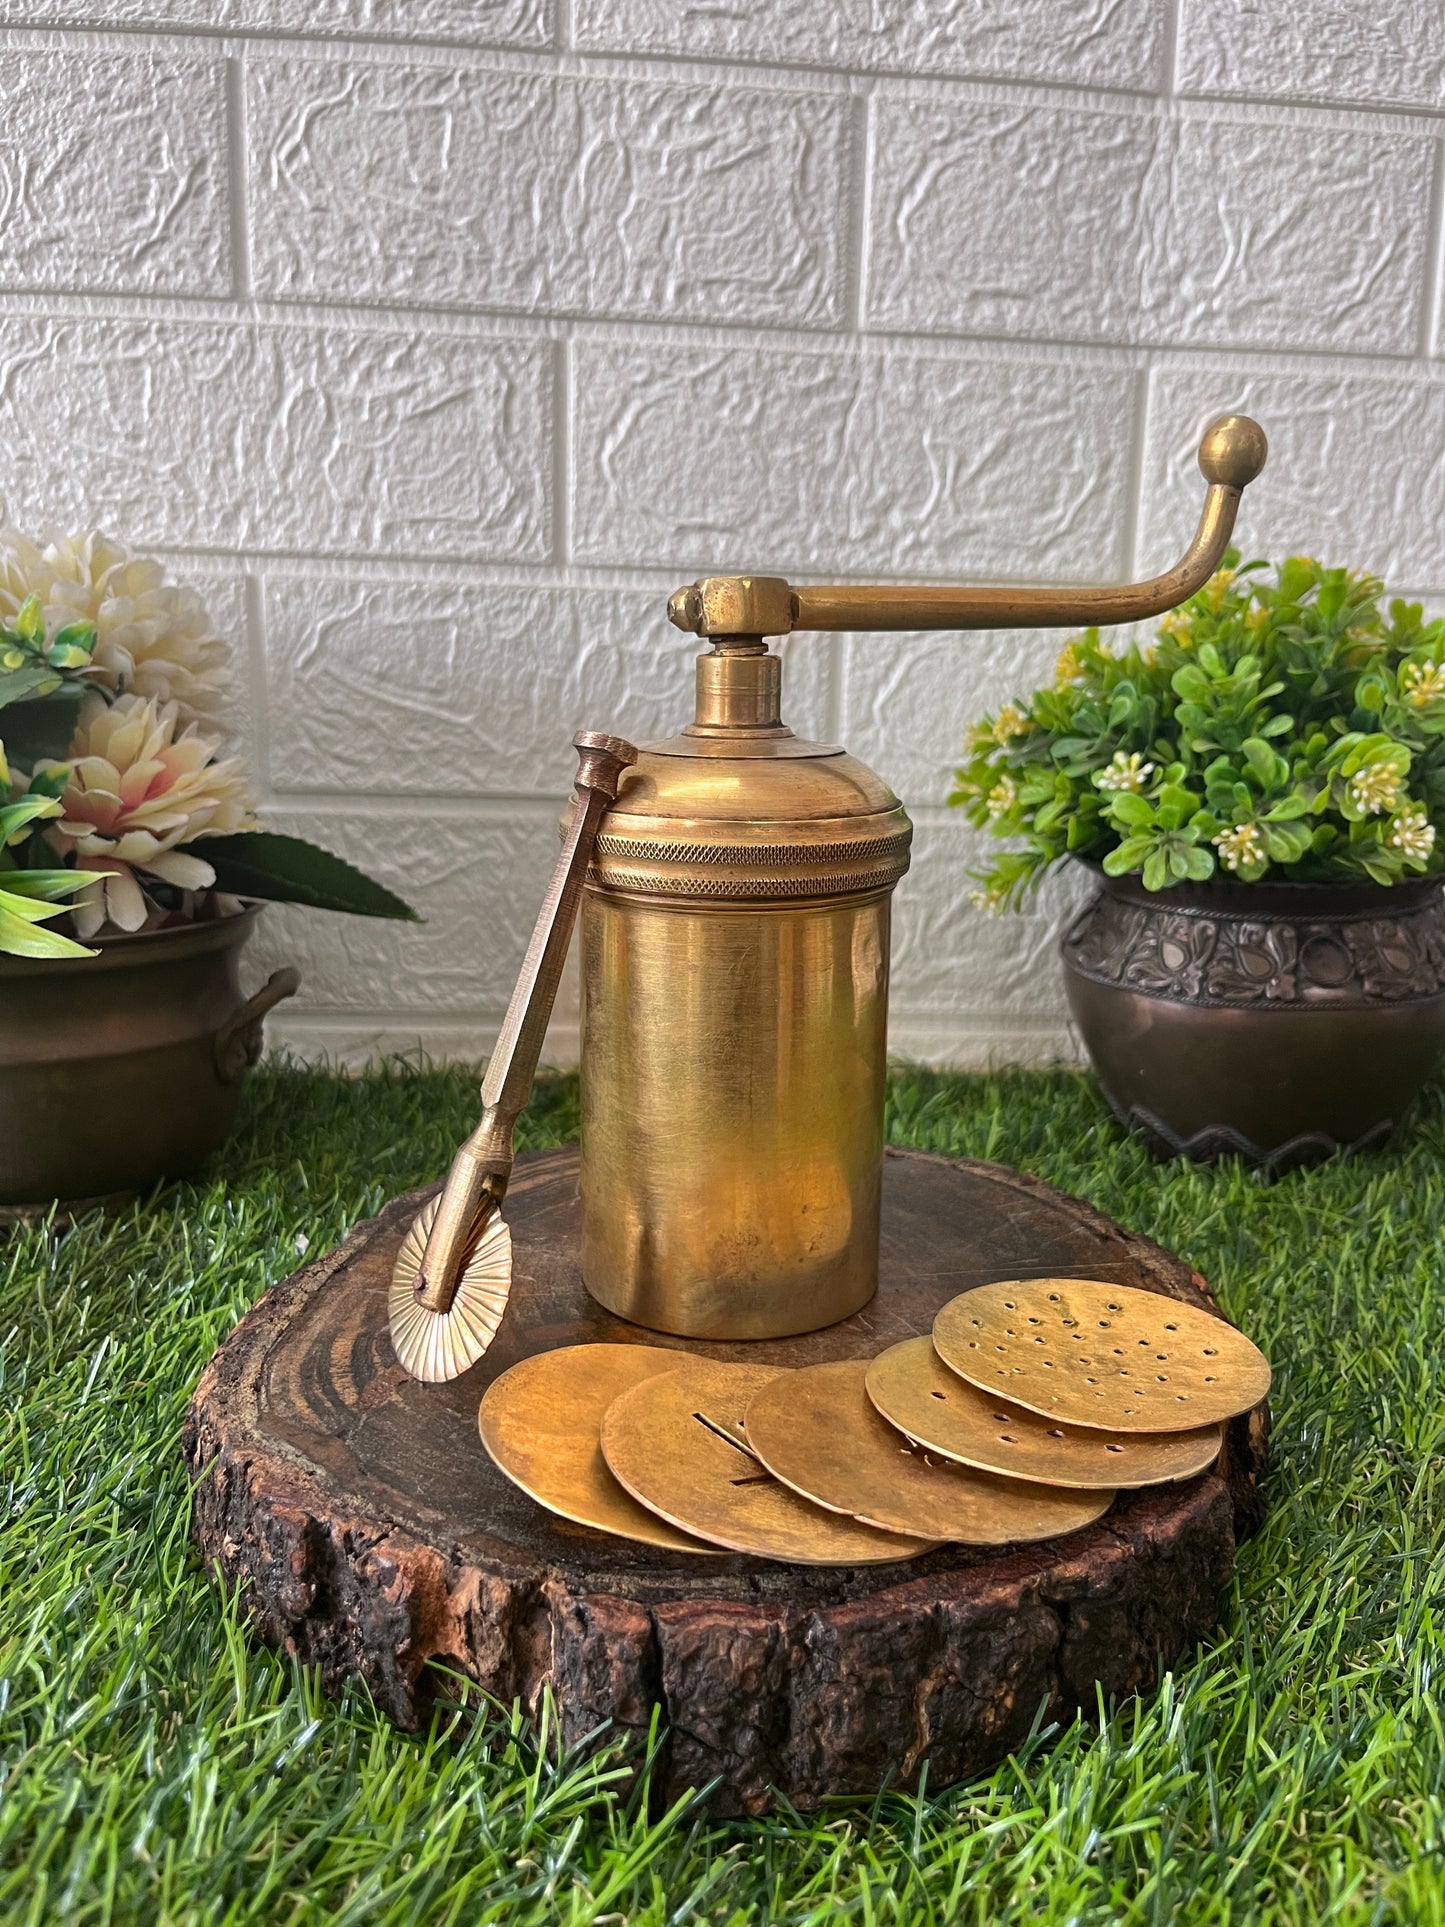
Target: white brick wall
[{"x": 438, "y": 340}]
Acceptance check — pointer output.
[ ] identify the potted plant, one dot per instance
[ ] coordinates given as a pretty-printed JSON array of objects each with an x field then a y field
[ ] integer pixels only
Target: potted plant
[
  {"x": 1258, "y": 792},
  {"x": 132, "y": 869}
]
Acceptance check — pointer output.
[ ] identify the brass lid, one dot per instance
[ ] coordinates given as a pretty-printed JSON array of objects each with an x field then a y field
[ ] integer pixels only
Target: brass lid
[{"x": 739, "y": 809}]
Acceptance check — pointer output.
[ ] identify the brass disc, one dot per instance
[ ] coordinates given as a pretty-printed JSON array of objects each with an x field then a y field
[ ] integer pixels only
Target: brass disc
[
  {"x": 1108, "y": 1356},
  {"x": 676, "y": 1442},
  {"x": 540, "y": 1422},
  {"x": 817, "y": 1431},
  {"x": 435, "y": 1346},
  {"x": 914, "y": 1390}
]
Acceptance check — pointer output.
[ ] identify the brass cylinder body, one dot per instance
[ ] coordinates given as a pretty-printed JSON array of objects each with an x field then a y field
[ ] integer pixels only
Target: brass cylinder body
[{"x": 735, "y": 937}]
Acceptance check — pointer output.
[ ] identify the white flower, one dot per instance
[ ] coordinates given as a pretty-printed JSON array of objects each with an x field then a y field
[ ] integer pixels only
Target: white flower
[
  {"x": 152, "y": 638},
  {"x": 1124, "y": 773},
  {"x": 1002, "y": 797},
  {"x": 1375, "y": 789},
  {"x": 1011, "y": 721},
  {"x": 1413, "y": 833},
  {"x": 140, "y": 785},
  {"x": 1422, "y": 683},
  {"x": 23, "y": 572},
  {"x": 990, "y": 901},
  {"x": 1240, "y": 848}
]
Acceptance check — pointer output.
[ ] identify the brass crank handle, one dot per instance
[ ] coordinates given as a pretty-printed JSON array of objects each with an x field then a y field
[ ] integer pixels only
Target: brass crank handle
[
  {"x": 477, "y": 1181},
  {"x": 745, "y": 608}
]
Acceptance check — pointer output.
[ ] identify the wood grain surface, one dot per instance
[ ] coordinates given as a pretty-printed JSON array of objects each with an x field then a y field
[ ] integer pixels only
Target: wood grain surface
[{"x": 373, "y": 1537}]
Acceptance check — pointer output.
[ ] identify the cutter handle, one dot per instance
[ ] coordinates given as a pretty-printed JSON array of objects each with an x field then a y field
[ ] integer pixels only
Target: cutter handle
[
  {"x": 477, "y": 1181},
  {"x": 743, "y": 608}
]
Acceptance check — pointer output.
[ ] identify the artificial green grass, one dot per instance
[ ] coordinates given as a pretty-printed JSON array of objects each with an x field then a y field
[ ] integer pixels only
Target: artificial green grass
[{"x": 160, "y": 1766}]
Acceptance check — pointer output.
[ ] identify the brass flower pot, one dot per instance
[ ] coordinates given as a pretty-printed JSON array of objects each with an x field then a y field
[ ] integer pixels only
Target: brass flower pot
[
  {"x": 121, "y": 1069},
  {"x": 1283, "y": 1022}
]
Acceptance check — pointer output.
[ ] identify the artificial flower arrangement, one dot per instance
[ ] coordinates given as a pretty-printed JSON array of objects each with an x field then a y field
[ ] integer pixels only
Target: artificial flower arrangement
[
  {"x": 1285, "y": 729},
  {"x": 121, "y": 809}
]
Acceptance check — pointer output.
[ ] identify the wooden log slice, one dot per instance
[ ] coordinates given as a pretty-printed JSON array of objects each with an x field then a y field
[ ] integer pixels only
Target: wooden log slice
[{"x": 373, "y": 1536}]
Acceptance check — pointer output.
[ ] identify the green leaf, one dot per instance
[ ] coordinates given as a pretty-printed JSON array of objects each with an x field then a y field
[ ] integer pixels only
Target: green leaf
[
  {"x": 30, "y": 623},
  {"x": 287, "y": 869},
  {"x": 1130, "y": 855},
  {"x": 1287, "y": 809},
  {"x": 40, "y": 729},
  {"x": 49, "y": 884},
  {"x": 66, "y": 656},
  {"x": 1200, "y": 864},
  {"x": 1286, "y": 842},
  {"x": 24, "y": 939},
  {"x": 14, "y": 817},
  {"x": 1127, "y": 807},
  {"x": 1156, "y": 871},
  {"x": 33, "y": 679},
  {"x": 75, "y": 635}
]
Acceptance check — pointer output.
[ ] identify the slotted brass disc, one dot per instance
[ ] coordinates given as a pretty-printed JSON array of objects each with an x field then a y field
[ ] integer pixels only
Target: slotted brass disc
[
  {"x": 435, "y": 1346},
  {"x": 677, "y": 1443},
  {"x": 816, "y": 1430},
  {"x": 1108, "y": 1356},
  {"x": 914, "y": 1390},
  {"x": 541, "y": 1422}
]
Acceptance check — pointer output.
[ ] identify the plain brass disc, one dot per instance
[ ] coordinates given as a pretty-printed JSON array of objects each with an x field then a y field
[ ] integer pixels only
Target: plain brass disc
[
  {"x": 541, "y": 1421},
  {"x": 914, "y": 1390},
  {"x": 1107, "y": 1356},
  {"x": 435, "y": 1346},
  {"x": 677, "y": 1443},
  {"x": 817, "y": 1431}
]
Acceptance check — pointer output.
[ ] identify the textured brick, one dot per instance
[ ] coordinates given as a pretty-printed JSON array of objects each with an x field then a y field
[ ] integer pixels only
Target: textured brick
[
  {"x": 712, "y": 458},
  {"x": 1390, "y": 52},
  {"x": 1018, "y": 220},
  {"x": 459, "y": 689},
  {"x": 481, "y": 23},
  {"x": 1354, "y": 474},
  {"x": 1080, "y": 42},
  {"x": 542, "y": 193},
  {"x": 378, "y": 477},
  {"x": 222, "y": 587},
  {"x": 477, "y": 880},
  {"x": 332, "y": 441},
  {"x": 953, "y": 961},
  {"x": 907, "y": 699},
  {"x": 112, "y": 173}
]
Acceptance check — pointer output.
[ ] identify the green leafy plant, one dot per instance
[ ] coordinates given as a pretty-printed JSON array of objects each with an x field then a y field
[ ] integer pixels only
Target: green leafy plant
[
  {"x": 117, "y": 808},
  {"x": 1287, "y": 729}
]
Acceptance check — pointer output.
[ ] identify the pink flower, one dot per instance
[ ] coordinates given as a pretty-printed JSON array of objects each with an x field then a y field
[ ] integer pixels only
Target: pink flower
[{"x": 139, "y": 786}]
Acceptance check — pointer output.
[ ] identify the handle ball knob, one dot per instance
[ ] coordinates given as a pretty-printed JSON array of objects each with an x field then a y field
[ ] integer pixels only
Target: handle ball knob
[{"x": 1233, "y": 451}]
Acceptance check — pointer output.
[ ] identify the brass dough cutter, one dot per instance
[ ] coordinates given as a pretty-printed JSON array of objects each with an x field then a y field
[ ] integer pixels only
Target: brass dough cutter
[{"x": 453, "y": 1274}]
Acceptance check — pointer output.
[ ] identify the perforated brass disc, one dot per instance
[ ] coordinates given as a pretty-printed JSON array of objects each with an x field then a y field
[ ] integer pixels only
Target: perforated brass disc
[
  {"x": 435, "y": 1346},
  {"x": 677, "y": 1443},
  {"x": 914, "y": 1390},
  {"x": 817, "y": 1431},
  {"x": 541, "y": 1422},
  {"x": 1108, "y": 1356}
]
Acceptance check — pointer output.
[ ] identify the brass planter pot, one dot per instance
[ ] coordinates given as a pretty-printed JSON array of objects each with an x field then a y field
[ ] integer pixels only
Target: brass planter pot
[
  {"x": 121, "y": 1069},
  {"x": 1283, "y": 1022}
]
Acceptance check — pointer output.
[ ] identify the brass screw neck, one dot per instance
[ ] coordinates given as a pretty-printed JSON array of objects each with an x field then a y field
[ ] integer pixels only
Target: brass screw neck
[{"x": 739, "y": 687}]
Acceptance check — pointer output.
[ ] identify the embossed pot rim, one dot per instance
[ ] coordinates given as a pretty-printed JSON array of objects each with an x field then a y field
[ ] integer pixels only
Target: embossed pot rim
[
  {"x": 1283, "y": 1022},
  {"x": 1218, "y": 898}
]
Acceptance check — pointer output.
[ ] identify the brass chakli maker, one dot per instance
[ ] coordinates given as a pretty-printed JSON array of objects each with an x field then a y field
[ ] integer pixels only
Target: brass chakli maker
[{"x": 735, "y": 955}]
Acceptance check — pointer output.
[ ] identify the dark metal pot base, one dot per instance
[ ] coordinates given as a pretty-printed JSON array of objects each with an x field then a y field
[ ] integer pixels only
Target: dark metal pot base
[{"x": 1218, "y": 1141}]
